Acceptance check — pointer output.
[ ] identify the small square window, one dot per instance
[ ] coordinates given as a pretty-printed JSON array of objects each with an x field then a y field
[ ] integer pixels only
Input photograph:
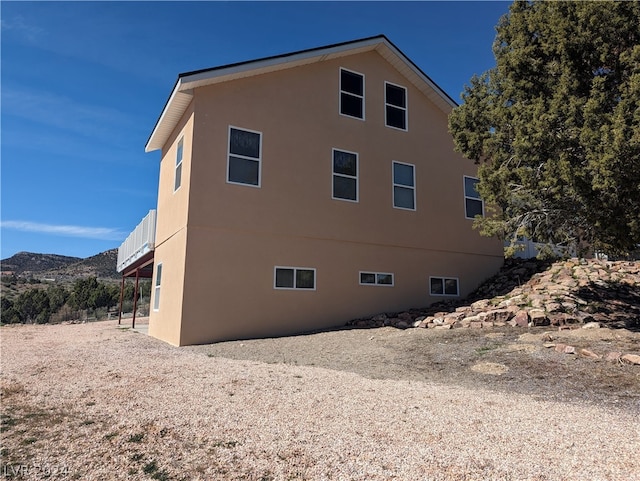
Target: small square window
[{"x": 351, "y": 94}]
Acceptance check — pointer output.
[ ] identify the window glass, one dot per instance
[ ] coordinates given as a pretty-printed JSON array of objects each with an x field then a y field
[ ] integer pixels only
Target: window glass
[
  {"x": 351, "y": 82},
  {"x": 403, "y": 197},
  {"x": 451, "y": 287},
  {"x": 350, "y": 105},
  {"x": 470, "y": 187},
  {"x": 396, "y": 117},
  {"x": 244, "y": 143},
  {"x": 345, "y": 163},
  {"x": 437, "y": 285},
  {"x": 284, "y": 278},
  {"x": 244, "y": 171},
  {"x": 402, "y": 174},
  {"x": 367, "y": 278},
  {"x": 344, "y": 188},
  {"x": 396, "y": 95},
  {"x": 473, "y": 208},
  {"x": 305, "y": 279},
  {"x": 385, "y": 279}
]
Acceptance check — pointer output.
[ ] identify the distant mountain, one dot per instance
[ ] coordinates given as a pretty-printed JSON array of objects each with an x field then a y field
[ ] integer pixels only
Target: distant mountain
[
  {"x": 62, "y": 268},
  {"x": 29, "y": 262}
]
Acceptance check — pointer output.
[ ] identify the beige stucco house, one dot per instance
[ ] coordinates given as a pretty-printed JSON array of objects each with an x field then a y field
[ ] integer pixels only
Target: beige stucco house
[{"x": 301, "y": 191}]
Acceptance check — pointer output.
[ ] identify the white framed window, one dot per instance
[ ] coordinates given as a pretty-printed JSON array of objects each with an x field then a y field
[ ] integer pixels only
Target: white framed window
[
  {"x": 404, "y": 186},
  {"x": 444, "y": 286},
  {"x": 376, "y": 278},
  {"x": 395, "y": 106},
  {"x": 345, "y": 175},
  {"x": 351, "y": 94},
  {"x": 178, "y": 177},
  {"x": 473, "y": 204},
  {"x": 156, "y": 287},
  {"x": 244, "y": 160},
  {"x": 294, "y": 278}
]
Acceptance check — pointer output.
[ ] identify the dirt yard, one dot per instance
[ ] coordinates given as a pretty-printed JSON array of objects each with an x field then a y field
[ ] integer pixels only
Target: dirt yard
[
  {"x": 507, "y": 359},
  {"x": 98, "y": 402}
]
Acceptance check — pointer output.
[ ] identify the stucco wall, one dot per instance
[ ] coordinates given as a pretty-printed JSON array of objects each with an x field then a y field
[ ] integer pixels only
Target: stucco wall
[{"x": 237, "y": 234}]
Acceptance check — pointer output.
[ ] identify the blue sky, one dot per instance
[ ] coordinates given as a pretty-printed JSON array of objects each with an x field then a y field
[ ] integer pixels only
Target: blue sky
[{"x": 83, "y": 84}]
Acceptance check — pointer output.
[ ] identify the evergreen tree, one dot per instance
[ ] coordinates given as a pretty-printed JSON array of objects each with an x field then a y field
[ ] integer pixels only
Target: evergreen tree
[{"x": 555, "y": 125}]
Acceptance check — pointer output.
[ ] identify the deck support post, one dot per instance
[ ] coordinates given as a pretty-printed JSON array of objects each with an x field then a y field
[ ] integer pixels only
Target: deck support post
[{"x": 121, "y": 299}]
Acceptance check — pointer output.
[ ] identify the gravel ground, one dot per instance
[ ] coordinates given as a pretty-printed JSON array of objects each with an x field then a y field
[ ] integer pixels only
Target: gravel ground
[{"x": 95, "y": 402}]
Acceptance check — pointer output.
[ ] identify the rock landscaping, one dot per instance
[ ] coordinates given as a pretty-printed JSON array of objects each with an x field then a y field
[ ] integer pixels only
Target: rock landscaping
[{"x": 567, "y": 294}]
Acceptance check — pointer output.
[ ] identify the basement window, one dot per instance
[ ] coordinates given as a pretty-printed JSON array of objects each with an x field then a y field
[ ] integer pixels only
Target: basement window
[
  {"x": 443, "y": 286},
  {"x": 294, "y": 278},
  {"x": 376, "y": 279}
]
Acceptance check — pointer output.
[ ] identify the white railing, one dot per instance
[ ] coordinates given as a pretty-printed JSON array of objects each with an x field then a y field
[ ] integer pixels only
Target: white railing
[
  {"x": 527, "y": 249},
  {"x": 140, "y": 242}
]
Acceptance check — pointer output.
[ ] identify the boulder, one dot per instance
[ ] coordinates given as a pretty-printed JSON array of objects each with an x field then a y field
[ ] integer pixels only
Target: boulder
[
  {"x": 538, "y": 317},
  {"x": 631, "y": 359}
]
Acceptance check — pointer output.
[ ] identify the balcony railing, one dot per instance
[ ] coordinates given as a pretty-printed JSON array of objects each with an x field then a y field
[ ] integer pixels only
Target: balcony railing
[{"x": 140, "y": 242}]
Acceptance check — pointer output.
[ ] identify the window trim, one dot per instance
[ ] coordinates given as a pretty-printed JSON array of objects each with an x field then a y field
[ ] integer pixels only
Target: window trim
[
  {"x": 254, "y": 159},
  {"x": 157, "y": 283},
  {"x": 340, "y": 91},
  {"x": 394, "y": 185},
  {"x": 405, "y": 108},
  {"x": 295, "y": 269},
  {"x": 357, "y": 176},
  {"x": 464, "y": 192},
  {"x": 179, "y": 150},
  {"x": 376, "y": 283},
  {"x": 444, "y": 279}
]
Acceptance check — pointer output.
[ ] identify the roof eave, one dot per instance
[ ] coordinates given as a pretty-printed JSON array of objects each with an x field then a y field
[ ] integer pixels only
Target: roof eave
[{"x": 181, "y": 94}]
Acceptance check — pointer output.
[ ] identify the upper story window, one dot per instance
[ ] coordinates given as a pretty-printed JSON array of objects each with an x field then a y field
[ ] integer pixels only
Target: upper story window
[
  {"x": 404, "y": 186},
  {"x": 345, "y": 175},
  {"x": 178, "y": 178},
  {"x": 294, "y": 278},
  {"x": 473, "y": 204},
  {"x": 351, "y": 94},
  {"x": 395, "y": 103},
  {"x": 244, "y": 157}
]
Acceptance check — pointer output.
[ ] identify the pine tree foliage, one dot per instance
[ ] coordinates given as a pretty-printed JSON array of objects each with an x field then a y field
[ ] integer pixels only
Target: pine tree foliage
[{"x": 555, "y": 125}]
